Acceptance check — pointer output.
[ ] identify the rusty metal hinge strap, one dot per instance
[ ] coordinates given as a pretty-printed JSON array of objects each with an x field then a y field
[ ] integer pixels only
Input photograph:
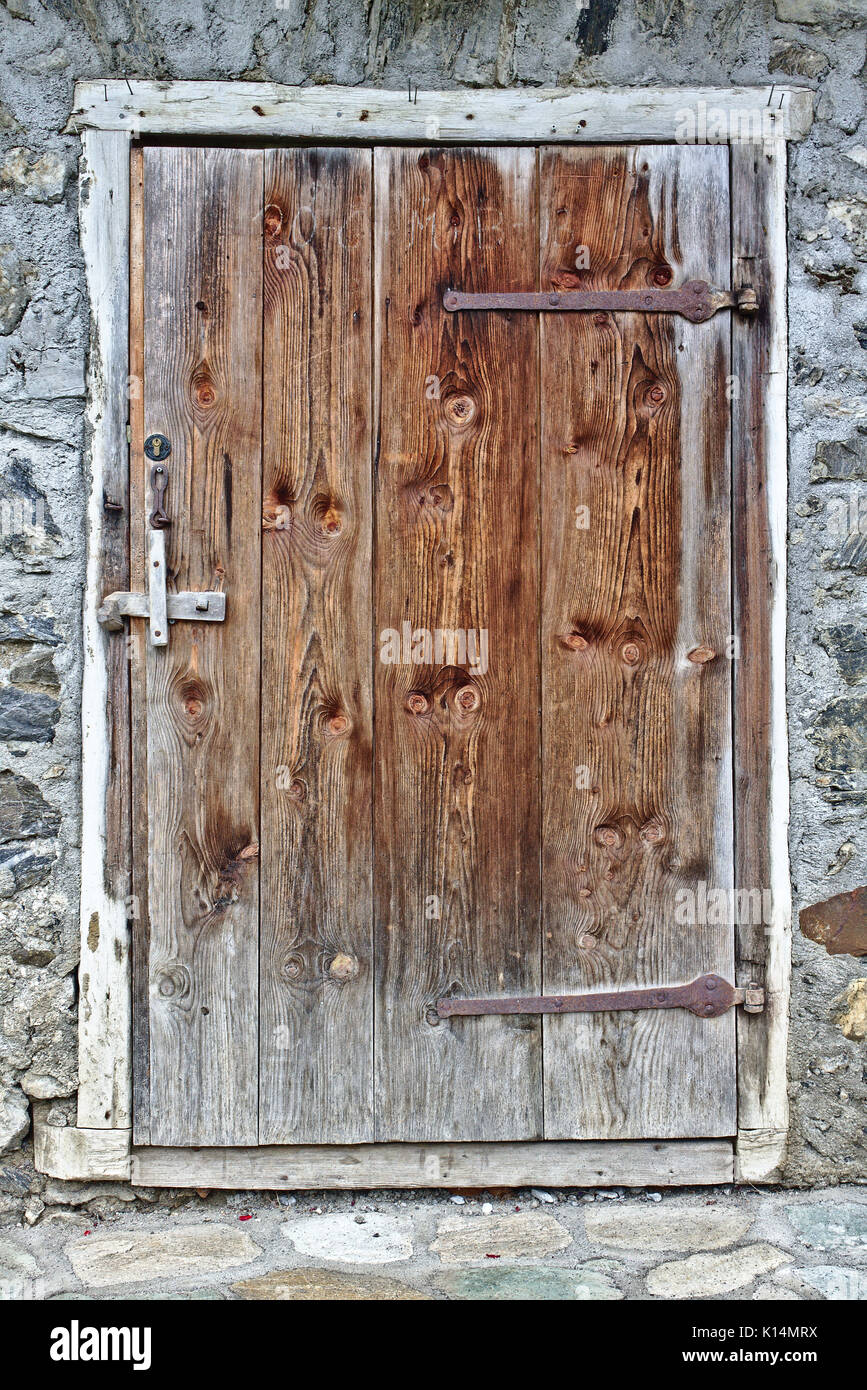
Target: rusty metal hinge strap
[
  {"x": 696, "y": 300},
  {"x": 708, "y": 996}
]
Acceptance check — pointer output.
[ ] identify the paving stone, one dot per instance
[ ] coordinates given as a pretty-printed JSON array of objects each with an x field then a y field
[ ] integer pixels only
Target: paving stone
[
  {"x": 161, "y": 1296},
  {"x": 775, "y": 1293},
  {"x": 666, "y": 1227},
  {"x": 528, "y": 1285},
  {"x": 326, "y": 1285},
  {"x": 834, "y": 1282},
  {"x": 830, "y": 1225},
  {"x": 703, "y": 1275},
  {"x": 461, "y": 1239},
  {"x": 17, "y": 1270},
  {"x": 381, "y": 1239},
  {"x": 130, "y": 1258}
]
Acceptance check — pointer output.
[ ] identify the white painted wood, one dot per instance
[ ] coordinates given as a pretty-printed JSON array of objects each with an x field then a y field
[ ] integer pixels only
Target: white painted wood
[
  {"x": 555, "y": 1164},
  {"x": 104, "y": 1095},
  {"x": 267, "y": 111},
  {"x": 80, "y": 1155}
]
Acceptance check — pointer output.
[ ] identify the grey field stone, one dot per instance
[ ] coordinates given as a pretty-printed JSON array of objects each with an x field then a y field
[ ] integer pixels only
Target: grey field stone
[
  {"x": 702, "y": 1276},
  {"x": 131, "y": 1258},
  {"x": 462, "y": 1239},
  {"x": 381, "y": 1239},
  {"x": 27, "y": 716},
  {"x": 830, "y": 1225},
  {"x": 24, "y": 812},
  {"x": 534, "y": 1284},
  {"x": 666, "y": 1227}
]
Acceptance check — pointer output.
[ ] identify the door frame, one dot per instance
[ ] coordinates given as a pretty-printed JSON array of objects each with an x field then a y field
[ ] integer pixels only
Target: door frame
[{"x": 756, "y": 122}]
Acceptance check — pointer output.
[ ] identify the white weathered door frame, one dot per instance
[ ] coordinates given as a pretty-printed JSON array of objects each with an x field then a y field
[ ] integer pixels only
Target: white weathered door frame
[{"x": 757, "y": 122}]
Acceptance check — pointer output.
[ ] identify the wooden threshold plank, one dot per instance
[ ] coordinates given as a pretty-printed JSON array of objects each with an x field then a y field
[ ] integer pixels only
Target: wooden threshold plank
[{"x": 277, "y": 1168}]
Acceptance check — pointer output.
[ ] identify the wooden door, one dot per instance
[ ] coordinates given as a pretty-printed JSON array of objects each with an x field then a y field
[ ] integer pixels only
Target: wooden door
[{"x": 466, "y": 727}]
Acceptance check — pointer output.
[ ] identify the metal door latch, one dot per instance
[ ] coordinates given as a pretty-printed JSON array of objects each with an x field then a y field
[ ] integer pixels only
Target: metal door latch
[
  {"x": 157, "y": 605},
  {"x": 696, "y": 300},
  {"x": 708, "y": 996}
]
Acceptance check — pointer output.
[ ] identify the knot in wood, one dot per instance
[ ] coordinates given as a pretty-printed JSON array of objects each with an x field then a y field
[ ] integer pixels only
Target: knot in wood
[
  {"x": 630, "y": 653},
  {"x": 338, "y": 724},
  {"x": 293, "y": 967},
  {"x": 417, "y": 703},
  {"x": 609, "y": 836},
  {"x": 699, "y": 656},
  {"x": 459, "y": 411},
  {"x": 574, "y": 641},
  {"x": 661, "y": 275},
  {"x": 468, "y": 699},
  {"x": 273, "y": 220},
  {"x": 297, "y": 790},
  {"x": 343, "y": 967},
  {"x": 653, "y": 833}
]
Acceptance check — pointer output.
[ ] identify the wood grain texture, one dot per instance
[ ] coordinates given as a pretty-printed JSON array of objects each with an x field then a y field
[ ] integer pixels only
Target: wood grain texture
[
  {"x": 686, "y": 1163},
  {"x": 202, "y": 389},
  {"x": 457, "y": 750},
  {"x": 759, "y": 458},
  {"x": 317, "y": 710},
  {"x": 269, "y": 110},
  {"x": 636, "y": 735}
]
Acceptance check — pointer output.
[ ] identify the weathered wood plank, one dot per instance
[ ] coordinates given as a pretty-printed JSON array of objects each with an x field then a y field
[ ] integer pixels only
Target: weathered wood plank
[
  {"x": 202, "y": 389},
  {"x": 104, "y": 1007},
  {"x": 267, "y": 110},
  {"x": 136, "y": 644},
  {"x": 457, "y": 740},
  {"x": 689, "y": 1163},
  {"x": 635, "y": 623},
  {"x": 759, "y": 459},
  {"x": 317, "y": 711}
]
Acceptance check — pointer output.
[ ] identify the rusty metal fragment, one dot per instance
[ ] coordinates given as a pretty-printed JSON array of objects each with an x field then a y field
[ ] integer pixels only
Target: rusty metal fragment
[{"x": 839, "y": 923}]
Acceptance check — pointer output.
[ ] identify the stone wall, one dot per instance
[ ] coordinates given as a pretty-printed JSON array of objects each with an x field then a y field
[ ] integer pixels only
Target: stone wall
[{"x": 43, "y": 344}]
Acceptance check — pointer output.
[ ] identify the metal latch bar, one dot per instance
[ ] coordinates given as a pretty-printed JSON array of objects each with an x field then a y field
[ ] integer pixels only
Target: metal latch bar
[
  {"x": 158, "y": 605},
  {"x": 207, "y": 606},
  {"x": 708, "y": 996},
  {"x": 696, "y": 300}
]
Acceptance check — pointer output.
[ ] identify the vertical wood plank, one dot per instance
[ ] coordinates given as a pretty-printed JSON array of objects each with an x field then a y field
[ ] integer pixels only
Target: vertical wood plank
[
  {"x": 636, "y": 735},
  {"x": 759, "y": 358},
  {"x": 104, "y": 1098},
  {"x": 456, "y": 818},
  {"x": 202, "y": 389},
  {"x": 317, "y": 716}
]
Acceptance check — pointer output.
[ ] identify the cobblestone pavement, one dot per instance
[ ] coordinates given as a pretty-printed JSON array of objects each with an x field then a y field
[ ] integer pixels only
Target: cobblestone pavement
[{"x": 90, "y": 1242}]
